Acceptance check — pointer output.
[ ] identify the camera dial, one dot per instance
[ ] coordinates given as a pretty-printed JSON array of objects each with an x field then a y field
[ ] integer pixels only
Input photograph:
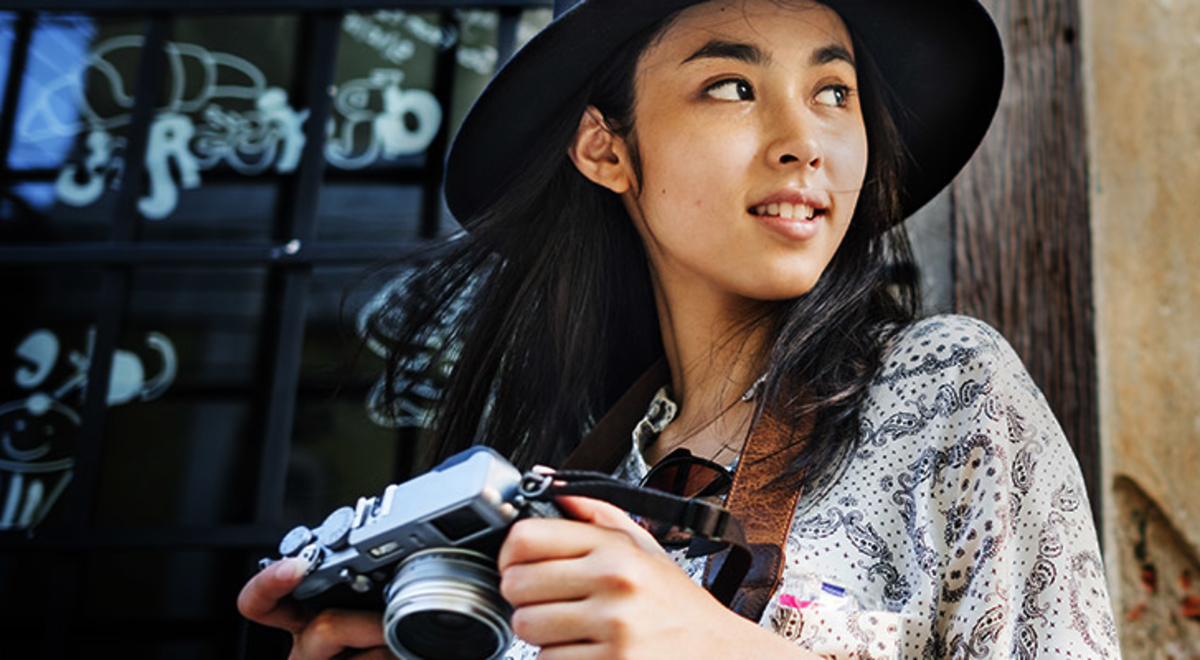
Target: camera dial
[
  {"x": 334, "y": 532},
  {"x": 294, "y": 541}
]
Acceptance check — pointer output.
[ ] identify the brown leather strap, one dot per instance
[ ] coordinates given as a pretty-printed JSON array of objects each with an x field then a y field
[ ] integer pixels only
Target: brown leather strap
[
  {"x": 610, "y": 439},
  {"x": 764, "y": 508},
  {"x": 765, "y": 512}
]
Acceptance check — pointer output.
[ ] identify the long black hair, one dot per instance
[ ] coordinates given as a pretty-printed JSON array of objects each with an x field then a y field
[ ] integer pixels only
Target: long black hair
[{"x": 560, "y": 314}]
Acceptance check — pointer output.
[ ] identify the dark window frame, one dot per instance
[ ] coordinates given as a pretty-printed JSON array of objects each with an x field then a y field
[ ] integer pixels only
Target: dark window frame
[{"x": 290, "y": 257}]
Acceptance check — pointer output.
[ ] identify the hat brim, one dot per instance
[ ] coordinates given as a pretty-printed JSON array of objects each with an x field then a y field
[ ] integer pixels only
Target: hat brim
[{"x": 942, "y": 62}]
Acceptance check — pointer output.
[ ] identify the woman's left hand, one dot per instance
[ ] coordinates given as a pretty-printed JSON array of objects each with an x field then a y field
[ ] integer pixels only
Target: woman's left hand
[{"x": 599, "y": 586}]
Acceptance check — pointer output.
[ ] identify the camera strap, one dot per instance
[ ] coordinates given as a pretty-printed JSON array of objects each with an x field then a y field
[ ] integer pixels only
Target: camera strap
[
  {"x": 763, "y": 507},
  {"x": 705, "y": 520}
]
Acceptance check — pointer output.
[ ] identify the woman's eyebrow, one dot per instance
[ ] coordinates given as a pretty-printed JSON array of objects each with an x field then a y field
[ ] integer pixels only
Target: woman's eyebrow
[
  {"x": 730, "y": 50},
  {"x": 832, "y": 53},
  {"x": 751, "y": 54}
]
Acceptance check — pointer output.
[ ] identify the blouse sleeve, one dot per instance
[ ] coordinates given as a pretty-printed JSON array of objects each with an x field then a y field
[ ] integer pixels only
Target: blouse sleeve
[
  {"x": 1018, "y": 562},
  {"x": 960, "y": 529}
]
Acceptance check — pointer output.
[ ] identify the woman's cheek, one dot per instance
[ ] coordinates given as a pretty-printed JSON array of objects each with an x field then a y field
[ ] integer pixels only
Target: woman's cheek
[{"x": 846, "y": 163}]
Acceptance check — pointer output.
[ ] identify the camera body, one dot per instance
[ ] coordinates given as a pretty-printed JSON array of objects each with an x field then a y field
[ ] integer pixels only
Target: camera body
[{"x": 425, "y": 550}]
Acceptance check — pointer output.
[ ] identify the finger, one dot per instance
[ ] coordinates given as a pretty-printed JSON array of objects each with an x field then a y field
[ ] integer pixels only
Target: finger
[
  {"x": 333, "y": 631},
  {"x": 546, "y": 581},
  {"x": 544, "y": 539},
  {"x": 370, "y": 654},
  {"x": 556, "y": 624},
  {"x": 263, "y": 598},
  {"x": 583, "y": 651},
  {"x": 608, "y": 516}
]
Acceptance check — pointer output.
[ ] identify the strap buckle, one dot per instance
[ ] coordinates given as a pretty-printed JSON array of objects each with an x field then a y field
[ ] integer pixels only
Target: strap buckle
[
  {"x": 536, "y": 483},
  {"x": 706, "y": 519}
]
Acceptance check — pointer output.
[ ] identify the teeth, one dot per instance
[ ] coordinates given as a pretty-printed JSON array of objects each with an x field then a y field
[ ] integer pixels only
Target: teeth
[{"x": 786, "y": 210}]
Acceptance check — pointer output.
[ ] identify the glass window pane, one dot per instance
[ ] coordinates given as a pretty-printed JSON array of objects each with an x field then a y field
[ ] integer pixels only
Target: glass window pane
[
  {"x": 224, "y": 119},
  {"x": 340, "y": 450},
  {"x": 387, "y": 113},
  {"x": 44, "y": 357},
  {"x": 227, "y": 131},
  {"x": 50, "y": 115},
  {"x": 231, "y": 209},
  {"x": 59, "y": 174},
  {"x": 477, "y": 57},
  {"x": 370, "y": 211},
  {"x": 8, "y": 24},
  {"x": 181, "y": 447},
  {"x": 385, "y": 117},
  {"x": 384, "y": 109}
]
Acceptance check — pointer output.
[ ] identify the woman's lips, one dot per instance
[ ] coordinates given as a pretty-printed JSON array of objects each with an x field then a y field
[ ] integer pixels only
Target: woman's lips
[
  {"x": 793, "y": 229},
  {"x": 788, "y": 215}
]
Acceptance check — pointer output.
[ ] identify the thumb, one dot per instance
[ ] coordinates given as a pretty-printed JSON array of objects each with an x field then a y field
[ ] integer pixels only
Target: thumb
[
  {"x": 603, "y": 514},
  {"x": 264, "y": 597}
]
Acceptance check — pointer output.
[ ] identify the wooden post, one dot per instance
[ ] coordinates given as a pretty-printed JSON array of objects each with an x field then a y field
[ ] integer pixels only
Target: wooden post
[{"x": 1020, "y": 219}]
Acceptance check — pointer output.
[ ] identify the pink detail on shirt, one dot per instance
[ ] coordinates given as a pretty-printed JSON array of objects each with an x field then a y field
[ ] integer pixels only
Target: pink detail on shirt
[{"x": 789, "y": 600}]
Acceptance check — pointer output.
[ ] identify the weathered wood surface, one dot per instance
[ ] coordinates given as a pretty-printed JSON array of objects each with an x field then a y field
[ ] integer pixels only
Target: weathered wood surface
[{"x": 1020, "y": 218}]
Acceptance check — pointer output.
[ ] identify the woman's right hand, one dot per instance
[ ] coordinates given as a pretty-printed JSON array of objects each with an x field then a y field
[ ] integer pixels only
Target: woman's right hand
[{"x": 327, "y": 634}]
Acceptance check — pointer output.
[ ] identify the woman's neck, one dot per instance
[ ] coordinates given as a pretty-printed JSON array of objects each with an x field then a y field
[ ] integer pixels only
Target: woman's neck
[{"x": 715, "y": 354}]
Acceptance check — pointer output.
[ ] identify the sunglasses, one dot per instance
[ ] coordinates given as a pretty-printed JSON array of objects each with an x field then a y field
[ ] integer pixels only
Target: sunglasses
[{"x": 688, "y": 476}]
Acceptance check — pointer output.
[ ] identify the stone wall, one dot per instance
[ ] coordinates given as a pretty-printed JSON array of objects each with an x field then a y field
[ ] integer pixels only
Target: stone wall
[{"x": 1143, "y": 103}]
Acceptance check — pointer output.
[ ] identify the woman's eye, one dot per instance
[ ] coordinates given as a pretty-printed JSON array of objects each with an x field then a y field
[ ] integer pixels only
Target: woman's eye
[
  {"x": 733, "y": 89},
  {"x": 834, "y": 96}
]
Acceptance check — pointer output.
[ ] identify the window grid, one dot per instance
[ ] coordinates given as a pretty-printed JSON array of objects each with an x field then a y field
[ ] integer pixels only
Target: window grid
[{"x": 290, "y": 258}]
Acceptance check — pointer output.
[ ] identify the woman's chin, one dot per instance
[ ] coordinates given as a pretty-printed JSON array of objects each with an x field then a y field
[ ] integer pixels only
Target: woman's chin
[{"x": 780, "y": 291}]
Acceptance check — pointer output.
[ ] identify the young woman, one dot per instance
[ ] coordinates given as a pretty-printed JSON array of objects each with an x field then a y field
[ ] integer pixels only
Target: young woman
[{"x": 719, "y": 184}]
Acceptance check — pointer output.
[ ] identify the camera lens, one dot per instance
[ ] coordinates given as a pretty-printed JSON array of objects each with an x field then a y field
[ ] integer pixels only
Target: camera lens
[
  {"x": 445, "y": 603},
  {"x": 450, "y": 635}
]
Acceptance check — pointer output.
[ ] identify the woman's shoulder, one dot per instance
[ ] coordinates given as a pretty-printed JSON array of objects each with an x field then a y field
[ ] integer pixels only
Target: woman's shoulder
[
  {"x": 947, "y": 348},
  {"x": 943, "y": 376},
  {"x": 947, "y": 335},
  {"x": 940, "y": 324}
]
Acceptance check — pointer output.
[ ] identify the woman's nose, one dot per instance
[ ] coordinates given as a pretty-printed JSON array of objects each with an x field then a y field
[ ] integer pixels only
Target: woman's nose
[{"x": 793, "y": 140}]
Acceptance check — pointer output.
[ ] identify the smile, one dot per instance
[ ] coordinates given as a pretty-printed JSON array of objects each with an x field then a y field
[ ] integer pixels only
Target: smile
[{"x": 787, "y": 211}]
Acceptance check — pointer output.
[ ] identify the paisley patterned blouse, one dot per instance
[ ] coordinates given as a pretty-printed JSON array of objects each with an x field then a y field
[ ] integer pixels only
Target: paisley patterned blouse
[{"x": 959, "y": 529}]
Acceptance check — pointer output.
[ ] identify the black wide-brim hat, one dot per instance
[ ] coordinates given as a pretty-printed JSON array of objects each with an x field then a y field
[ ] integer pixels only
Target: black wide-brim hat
[{"x": 941, "y": 60}]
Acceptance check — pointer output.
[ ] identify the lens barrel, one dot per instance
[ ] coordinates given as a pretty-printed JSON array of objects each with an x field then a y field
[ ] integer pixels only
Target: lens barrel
[{"x": 445, "y": 604}]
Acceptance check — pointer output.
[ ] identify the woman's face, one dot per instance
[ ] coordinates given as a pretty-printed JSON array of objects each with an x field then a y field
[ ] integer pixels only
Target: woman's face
[{"x": 752, "y": 147}]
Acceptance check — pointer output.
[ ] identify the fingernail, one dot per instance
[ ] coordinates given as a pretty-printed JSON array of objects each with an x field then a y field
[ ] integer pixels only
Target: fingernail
[{"x": 297, "y": 568}]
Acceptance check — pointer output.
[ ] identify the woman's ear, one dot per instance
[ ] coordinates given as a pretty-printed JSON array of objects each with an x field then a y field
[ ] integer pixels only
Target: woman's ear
[{"x": 599, "y": 154}]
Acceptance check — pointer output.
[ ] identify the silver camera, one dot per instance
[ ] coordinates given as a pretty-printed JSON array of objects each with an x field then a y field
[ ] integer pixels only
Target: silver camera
[{"x": 426, "y": 549}]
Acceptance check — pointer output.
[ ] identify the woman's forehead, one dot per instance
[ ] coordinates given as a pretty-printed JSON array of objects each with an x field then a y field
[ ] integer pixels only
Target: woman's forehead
[{"x": 758, "y": 22}]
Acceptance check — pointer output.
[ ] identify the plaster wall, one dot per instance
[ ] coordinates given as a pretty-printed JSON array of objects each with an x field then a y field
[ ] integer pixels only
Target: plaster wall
[{"x": 1143, "y": 103}]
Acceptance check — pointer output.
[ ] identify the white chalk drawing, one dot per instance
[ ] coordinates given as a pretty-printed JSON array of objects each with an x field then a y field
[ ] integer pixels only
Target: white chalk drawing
[
  {"x": 391, "y": 134},
  {"x": 37, "y": 429},
  {"x": 219, "y": 111},
  {"x": 423, "y": 369},
  {"x": 393, "y": 34},
  {"x": 389, "y": 43}
]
